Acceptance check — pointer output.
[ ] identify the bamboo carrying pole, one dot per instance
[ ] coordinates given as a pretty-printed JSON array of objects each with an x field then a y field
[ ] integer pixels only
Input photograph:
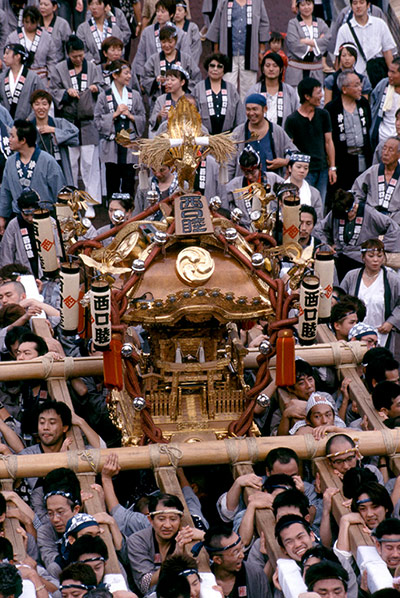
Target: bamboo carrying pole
[
  {"x": 382, "y": 442},
  {"x": 70, "y": 367},
  {"x": 329, "y": 354}
]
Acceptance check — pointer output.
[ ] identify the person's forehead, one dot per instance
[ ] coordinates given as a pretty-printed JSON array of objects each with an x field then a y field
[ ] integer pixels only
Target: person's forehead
[
  {"x": 27, "y": 346},
  {"x": 321, "y": 408},
  {"x": 341, "y": 445},
  {"x": 56, "y": 501},
  {"x": 294, "y": 529},
  {"x": 328, "y": 583},
  {"x": 230, "y": 540},
  {"x": 390, "y": 539},
  {"x": 50, "y": 414}
]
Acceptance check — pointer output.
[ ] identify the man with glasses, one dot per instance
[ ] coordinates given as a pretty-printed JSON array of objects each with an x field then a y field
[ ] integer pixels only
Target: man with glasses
[
  {"x": 236, "y": 578},
  {"x": 342, "y": 454}
]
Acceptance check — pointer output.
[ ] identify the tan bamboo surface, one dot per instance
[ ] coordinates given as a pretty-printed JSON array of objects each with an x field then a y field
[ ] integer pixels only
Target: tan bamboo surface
[
  {"x": 70, "y": 367},
  {"x": 196, "y": 453},
  {"x": 58, "y": 389},
  {"x": 327, "y": 352}
]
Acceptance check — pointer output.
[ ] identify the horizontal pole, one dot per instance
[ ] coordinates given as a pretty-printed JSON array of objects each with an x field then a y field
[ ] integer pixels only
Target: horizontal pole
[
  {"x": 342, "y": 353},
  {"x": 45, "y": 368},
  {"x": 233, "y": 450}
]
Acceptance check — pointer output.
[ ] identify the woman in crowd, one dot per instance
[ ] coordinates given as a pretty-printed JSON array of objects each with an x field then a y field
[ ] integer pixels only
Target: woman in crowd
[
  {"x": 94, "y": 31},
  {"x": 176, "y": 85},
  {"x": 379, "y": 288},
  {"x": 56, "y": 26},
  {"x": 306, "y": 41},
  {"x": 192, "y": 31},
  {"x": 37, "y": 42},
  {"x": 347, "y": 58},
  {"x": 282, "y": 98},
  {"x": 119, "y": 108},
  {"x": 159, "y": 63},
  {"x": 17, "y": 82},
  {"x": 218, "y": 101},
  {"x": 298, "y": 167}
]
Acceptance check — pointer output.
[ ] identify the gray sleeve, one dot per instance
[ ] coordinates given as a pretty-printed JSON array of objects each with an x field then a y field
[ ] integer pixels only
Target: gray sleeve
[
  {"x": 193, "y": 504},
  {"x": 129, "y": 521},
  {"x": 141, "y": 561},
  {"x": 48, "y": 549}
]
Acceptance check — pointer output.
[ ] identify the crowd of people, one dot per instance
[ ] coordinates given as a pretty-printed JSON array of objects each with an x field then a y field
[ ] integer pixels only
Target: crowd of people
[{"x": 315, "y": 108}]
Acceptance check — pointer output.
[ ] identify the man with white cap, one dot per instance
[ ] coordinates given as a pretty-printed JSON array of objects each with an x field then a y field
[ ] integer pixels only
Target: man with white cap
[
  {"x": 365, "y": 333},
  {"x": 321, "y": 417}
]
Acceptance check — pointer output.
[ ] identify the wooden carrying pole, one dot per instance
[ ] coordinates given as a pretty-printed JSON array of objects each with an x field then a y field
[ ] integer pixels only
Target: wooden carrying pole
[
  {"x": 70, "y": 367},
  {"x": 58, "y": 389},
  {"x": 328, "y": 352},
  {"x": 382, "y": 442}
]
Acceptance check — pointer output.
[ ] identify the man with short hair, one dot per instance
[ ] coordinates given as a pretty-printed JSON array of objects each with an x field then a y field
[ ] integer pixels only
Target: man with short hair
[
  {"x": 27, "y": 167},
  {"x": 372, "y": 37},
  {"x": 385, "y": 102},
  {"x": 343, "y": 318},
  {"x": 294, "y": 536},
  {"x": 379, "y": 185},
  {"x": 148, "y": 547},
  {"x": 76, "y": 580},
  {"x": 386, "y": 399},
  {"x": 378, "y": 370},
  {"x": 387, "y": 542},
  {"x": 308, "y": 219},
  {"x": 310, "y": 129},
  {"x": 233, "y": 575},
  {"x": 327, "y": 579},
  {"x": 54, "y": 419}
]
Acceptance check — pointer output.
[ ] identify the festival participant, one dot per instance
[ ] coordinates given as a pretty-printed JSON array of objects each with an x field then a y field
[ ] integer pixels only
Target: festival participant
[
  {"x": 278, "y": 461},
  {"x": 92, "y": 551},
  {"x": 294, "y": 536},
  {"x": 298, "y": 169},
  {"x": 383, "y": 368},
  {"x": 250, "y": 165},
  {"x": 54, "y": 136},
  {"x": 176, "y": 85},
  {"x": 95, "y": 30},
  {"x": 346, "y": 60},
  {"x": 181, "y": 565},
  {"x": 386, "y": 399},
  {"x": 164, "y": 183},
  {"x": 307, "y": 41},
  {"x": 370, "y": 506},
  {"x": 182, "y": 21},
  {"x": 28, "y": 167},
  {"x": 387, "y": 542},
  {"x": 150, "y": 39},
  {"x": 308, "y": 220},
  {"x": 120, "y": 209},
  {"x": 321, "y": 417},
  {"x": 157, "y": 65},
  {"x": 385, "y": 102},
  {"x": 365, "y": 333},
  {"x": 37, "y": 42},
  {"x": 217, "y": 100},
  {"x": 344, "y": 315},
  {"x": 112, "y": 49},
  {"x": 119, "y": 108},
  {"x": 348, "y": 225},
  {"x": 327, "y": 579},
  {"x": 18, "y": 243},
  {"x": 351, "y": 119},
  {"x": 54, "y": 419},
  {"x": 12, "y": 581},
  {"x": 74, "y": 86},
  {"x": 282, "y": 98},
  {"x": 234, "y": 575},
  {"x": 148, "y": 548},
  {"x": 310, "y": 129},
  {"x": 118, "y": 17},
  {"x": 56, "y": 26},
  {"x": 76, "y": 580},
  {"x": 379, "y": 288},
  {"x": 378, "y": 185},
  {"x": 240, "y": 31},
  {"x": 17, "y": 82},
  {"x": 271, "y": 144},
  {"x": 372, "y": 37}
]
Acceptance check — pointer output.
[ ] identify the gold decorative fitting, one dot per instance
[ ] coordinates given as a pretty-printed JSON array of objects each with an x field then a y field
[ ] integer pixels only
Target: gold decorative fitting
[{"x": 195, "y": 266}]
